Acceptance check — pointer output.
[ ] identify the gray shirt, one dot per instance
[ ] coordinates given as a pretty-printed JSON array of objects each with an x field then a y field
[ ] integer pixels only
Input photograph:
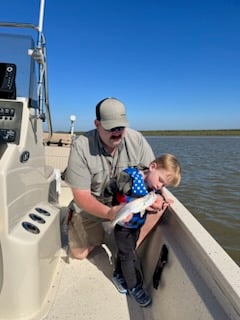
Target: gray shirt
[{"x": 90, "y": 167}]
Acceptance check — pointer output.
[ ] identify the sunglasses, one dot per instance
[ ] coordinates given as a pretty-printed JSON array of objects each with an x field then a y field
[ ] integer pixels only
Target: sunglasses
[{"x": 119, "y": 129}]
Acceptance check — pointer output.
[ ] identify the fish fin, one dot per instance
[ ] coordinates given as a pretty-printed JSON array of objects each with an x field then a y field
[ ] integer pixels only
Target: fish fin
[{"x": 142, "y": 213}]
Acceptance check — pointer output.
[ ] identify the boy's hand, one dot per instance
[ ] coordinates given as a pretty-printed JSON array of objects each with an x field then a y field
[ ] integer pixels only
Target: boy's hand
[{"x": 161, "y": 203}]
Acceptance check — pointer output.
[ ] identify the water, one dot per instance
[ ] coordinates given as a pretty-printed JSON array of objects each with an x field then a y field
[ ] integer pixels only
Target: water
[{"x": 210, "y": 186}]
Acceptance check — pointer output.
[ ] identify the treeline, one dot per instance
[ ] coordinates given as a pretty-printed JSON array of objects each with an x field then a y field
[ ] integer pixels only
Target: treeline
[{"x": 228, "y": 132}]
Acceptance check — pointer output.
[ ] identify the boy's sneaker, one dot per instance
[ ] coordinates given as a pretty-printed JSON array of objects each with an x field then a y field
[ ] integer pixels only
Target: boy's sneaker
[
  {"x": 142, "y": 298},
  {"x": 120, "y": 283}
]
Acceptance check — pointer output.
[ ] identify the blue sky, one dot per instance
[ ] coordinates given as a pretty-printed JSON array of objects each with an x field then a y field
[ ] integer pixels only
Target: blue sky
[{"x": 174, "y": 63}]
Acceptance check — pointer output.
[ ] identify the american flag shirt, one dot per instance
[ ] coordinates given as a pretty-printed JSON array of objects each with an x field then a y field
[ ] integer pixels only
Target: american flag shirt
[{"x": 138, "y": 190}]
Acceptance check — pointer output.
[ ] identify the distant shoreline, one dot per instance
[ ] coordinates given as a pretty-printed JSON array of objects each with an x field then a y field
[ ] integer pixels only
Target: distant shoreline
[
  {"x": 227, "y": 132},
  {"x": 63, "y": 138}
]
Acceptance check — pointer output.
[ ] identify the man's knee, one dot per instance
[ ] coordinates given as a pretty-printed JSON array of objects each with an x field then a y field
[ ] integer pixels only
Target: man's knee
[{"x": 81, "y": 253}]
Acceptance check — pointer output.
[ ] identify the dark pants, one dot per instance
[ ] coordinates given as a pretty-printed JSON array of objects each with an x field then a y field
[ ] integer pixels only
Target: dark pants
[{"x": 127, "y": 262}]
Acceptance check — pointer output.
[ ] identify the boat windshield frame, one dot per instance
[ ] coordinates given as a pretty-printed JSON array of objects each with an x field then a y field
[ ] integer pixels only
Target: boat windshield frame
[
  {"x": 16, "y": 49},
  {"x": 30, "y": 58}
]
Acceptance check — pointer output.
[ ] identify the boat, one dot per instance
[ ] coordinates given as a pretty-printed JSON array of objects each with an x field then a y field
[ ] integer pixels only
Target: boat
[{"x": 187, "y": 273}]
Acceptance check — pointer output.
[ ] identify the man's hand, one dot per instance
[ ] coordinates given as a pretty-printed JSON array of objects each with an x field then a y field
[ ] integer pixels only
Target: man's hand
[
  {"x": 128, "y": 218},
  {"x": 114, "y": 210}
]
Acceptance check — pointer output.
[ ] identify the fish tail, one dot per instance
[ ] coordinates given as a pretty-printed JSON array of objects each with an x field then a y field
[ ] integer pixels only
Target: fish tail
[{"x": 108, "y": 226}]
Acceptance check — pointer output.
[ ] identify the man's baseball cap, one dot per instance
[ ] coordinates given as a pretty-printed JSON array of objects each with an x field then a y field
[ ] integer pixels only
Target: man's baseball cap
[{"x": 111, "y": 112}]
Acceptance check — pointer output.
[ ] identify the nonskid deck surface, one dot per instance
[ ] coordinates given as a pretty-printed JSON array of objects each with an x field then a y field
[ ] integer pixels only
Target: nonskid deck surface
[{"x": 86, "y": 290}]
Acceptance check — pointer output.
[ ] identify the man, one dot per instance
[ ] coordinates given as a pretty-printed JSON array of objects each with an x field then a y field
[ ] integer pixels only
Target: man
[{"x": 95, "y": 158}]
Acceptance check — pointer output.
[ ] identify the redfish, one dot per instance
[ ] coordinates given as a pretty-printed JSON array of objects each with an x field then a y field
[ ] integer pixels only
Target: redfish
[{"x": 135, "y": 206}]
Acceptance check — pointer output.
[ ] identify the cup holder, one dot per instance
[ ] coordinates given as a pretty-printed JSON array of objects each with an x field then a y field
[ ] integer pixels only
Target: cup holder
[
  {"x": 43, "y": 212},
  {"x": 37, "y": 218},
  {"x": 30, "y": 227}
]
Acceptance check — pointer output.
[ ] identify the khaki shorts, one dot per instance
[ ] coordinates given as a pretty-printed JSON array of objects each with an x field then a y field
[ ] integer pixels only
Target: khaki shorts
[{"x": 84, "y": 232}]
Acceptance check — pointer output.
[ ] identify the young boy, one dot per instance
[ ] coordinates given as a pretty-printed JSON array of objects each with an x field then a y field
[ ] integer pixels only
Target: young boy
[{"x": 133, "y": 183}]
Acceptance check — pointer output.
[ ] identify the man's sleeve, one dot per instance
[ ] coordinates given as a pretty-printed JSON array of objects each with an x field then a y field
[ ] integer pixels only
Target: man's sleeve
[{"x": 77, "y": 172}]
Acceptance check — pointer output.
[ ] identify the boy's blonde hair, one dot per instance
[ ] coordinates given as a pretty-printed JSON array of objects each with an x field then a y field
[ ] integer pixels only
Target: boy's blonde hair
[{"x": 170, "y": 163}]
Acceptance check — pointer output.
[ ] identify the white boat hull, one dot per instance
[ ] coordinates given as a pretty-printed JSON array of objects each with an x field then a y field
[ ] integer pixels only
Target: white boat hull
[{"x": 199, "y": 281}]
